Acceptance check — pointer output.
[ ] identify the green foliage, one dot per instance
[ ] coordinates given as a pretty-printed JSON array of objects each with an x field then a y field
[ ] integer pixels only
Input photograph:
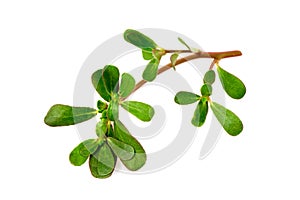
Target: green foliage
[
  {"x": 141, "y": 110},
  {"x": 102, "y": 127},
  {"x": 113, "y": 109},
  {"x": 173, "y": 59},
  {"x": 127, "y": 85},
  {"x": 184, "y": 98},
  {"x": 113, "y": 138},
  {"x": 230, "y": 122},
  {"x": 184, "y": 43},
  {"x": 209, "y": 77},
  {"x": 101, "y": 106},
  {"x": 233, "y": 86},
  {"x": 102, "y": 162},
  {"x": 200, "y": 113},
  {"x": 139, "y": 159},
  {"x": 147, "y": 53},
  {"x": 122, "y": 150},
  {"x": 139, "y": 40},
  {"x": 206, "y": 90},
  {"x": 64, "y": 115},
  {"x": 150, "y": 71},
  {"x": 194, "y": 50},
  {"x": 81, "y": 153}
]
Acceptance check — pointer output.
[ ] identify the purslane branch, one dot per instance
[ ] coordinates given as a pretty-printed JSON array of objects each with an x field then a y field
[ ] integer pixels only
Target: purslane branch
[{"x": 216, "y": 56}]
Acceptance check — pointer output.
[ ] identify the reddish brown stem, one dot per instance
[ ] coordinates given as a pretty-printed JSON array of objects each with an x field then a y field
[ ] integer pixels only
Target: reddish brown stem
[{"x": 217, "y": 56}]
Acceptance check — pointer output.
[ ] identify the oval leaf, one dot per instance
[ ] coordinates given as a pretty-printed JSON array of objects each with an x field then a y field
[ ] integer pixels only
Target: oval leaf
[
  {"x": 122, "y": 150},
  {"x": 141, "y": 110},
  {"x": 184, "y": 98},
  {"x": 106, "y": 80},
  {"x": 102, "y": 163},
  {"x": 173, "y": 59},
  {"x": 209, "y": 77},
  {"x": 147, "y": 54},
  {"x": 139, "y": 39},
  {"x": 110, "y": 77},
  {"x": 139, "y": 158},
  {"x": 81, "y": 153},
  {"x": 232, "y": 85},
  {"x": 151, "y": 69},
  {"x": 206, "y": 90},
  {"x": 98, "y": 84},
  {"x": 230, "y": 122},
  {"x": 64, "y": 115},
  {"x": 200, "y": 113},
  {"x": 127, "y": 85}
]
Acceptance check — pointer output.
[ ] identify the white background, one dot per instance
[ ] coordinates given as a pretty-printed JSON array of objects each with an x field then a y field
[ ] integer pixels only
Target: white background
[{"x": 43, "y": 45}]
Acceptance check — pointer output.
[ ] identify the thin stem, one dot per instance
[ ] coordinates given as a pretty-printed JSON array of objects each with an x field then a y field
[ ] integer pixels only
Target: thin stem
[
  {"x": 213, "y": 64},
  {"x": 217, "y": 56},
  {"x": 177, "y": 51}
]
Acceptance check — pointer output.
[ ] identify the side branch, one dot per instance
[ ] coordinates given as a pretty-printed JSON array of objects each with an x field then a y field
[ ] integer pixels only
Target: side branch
[{"x": 214, "y": 55}]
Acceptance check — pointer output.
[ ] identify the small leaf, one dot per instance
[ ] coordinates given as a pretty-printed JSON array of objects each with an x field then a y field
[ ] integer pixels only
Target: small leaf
[
  {"x": 102, "y": 163},
  {"x": 139, "y": 39},
  {"x": 113, "y": 110},
  {"x": 64, "y": 115},
  {"x": 232, "y": 85},
  {"x": 81, "y": 153},
  {"x": 101, "y": 127},
  {"x": 110, "y": 77},
  {"x": 173, "y": 59},
  {"x": 230, "y": 122},
  {"x": 98, "y": 84},
  {"x": 139, "y": 158},
  {"x": 141, "y": 110},
  {"x": 206, "y": 90},
  {"x": 184, "y": 98},
  {"x": 127, "y": 85},
  {"x": 184, "y": 43},
  {"x": 122, "y": 150},
  {"x": 209, "y": 77},
  {"x": 101, "y": 106},
  {"x": 147, "y": 54},
  {"x": 200, "y": 113},
  {"x": 150, "y": 71}
]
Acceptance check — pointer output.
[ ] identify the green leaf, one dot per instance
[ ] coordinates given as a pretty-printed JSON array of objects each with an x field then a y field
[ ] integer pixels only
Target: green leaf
[
  {"x": 141, "y": 110},
  {"x": 122, "y": 150},
  {"x": 102, "y": 163},
  {"x": 151, "y": 69},
  {"x": 184, "y": 98},
  {"x": 230, "y": 122},
  {"x": 81, "y": 153},
  {"x": 106, "y": 81},
  {"x": 173, "y": 59},
  {"x": 111, "y": 78},
  {"x": 209, "y": 77},
  {"x": 64, "y": 115},
  {"x": 139, "y": 158},
  {"x": 101, "y": 127},
  {"x": 127, "y": 85},
  {"x": 233, "y": 86},
  {"x": 101, "y": 106},
  {"x": 184, "y": 43},
  {"x": 139, "y": 39},
  {"x": 98, "y": 84},
  {"x": 206, "y": 90},
  {"x": 113, "y": 110},
  {"x": 147, "y": 53},
  {"x": 200, "y": 113}
]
